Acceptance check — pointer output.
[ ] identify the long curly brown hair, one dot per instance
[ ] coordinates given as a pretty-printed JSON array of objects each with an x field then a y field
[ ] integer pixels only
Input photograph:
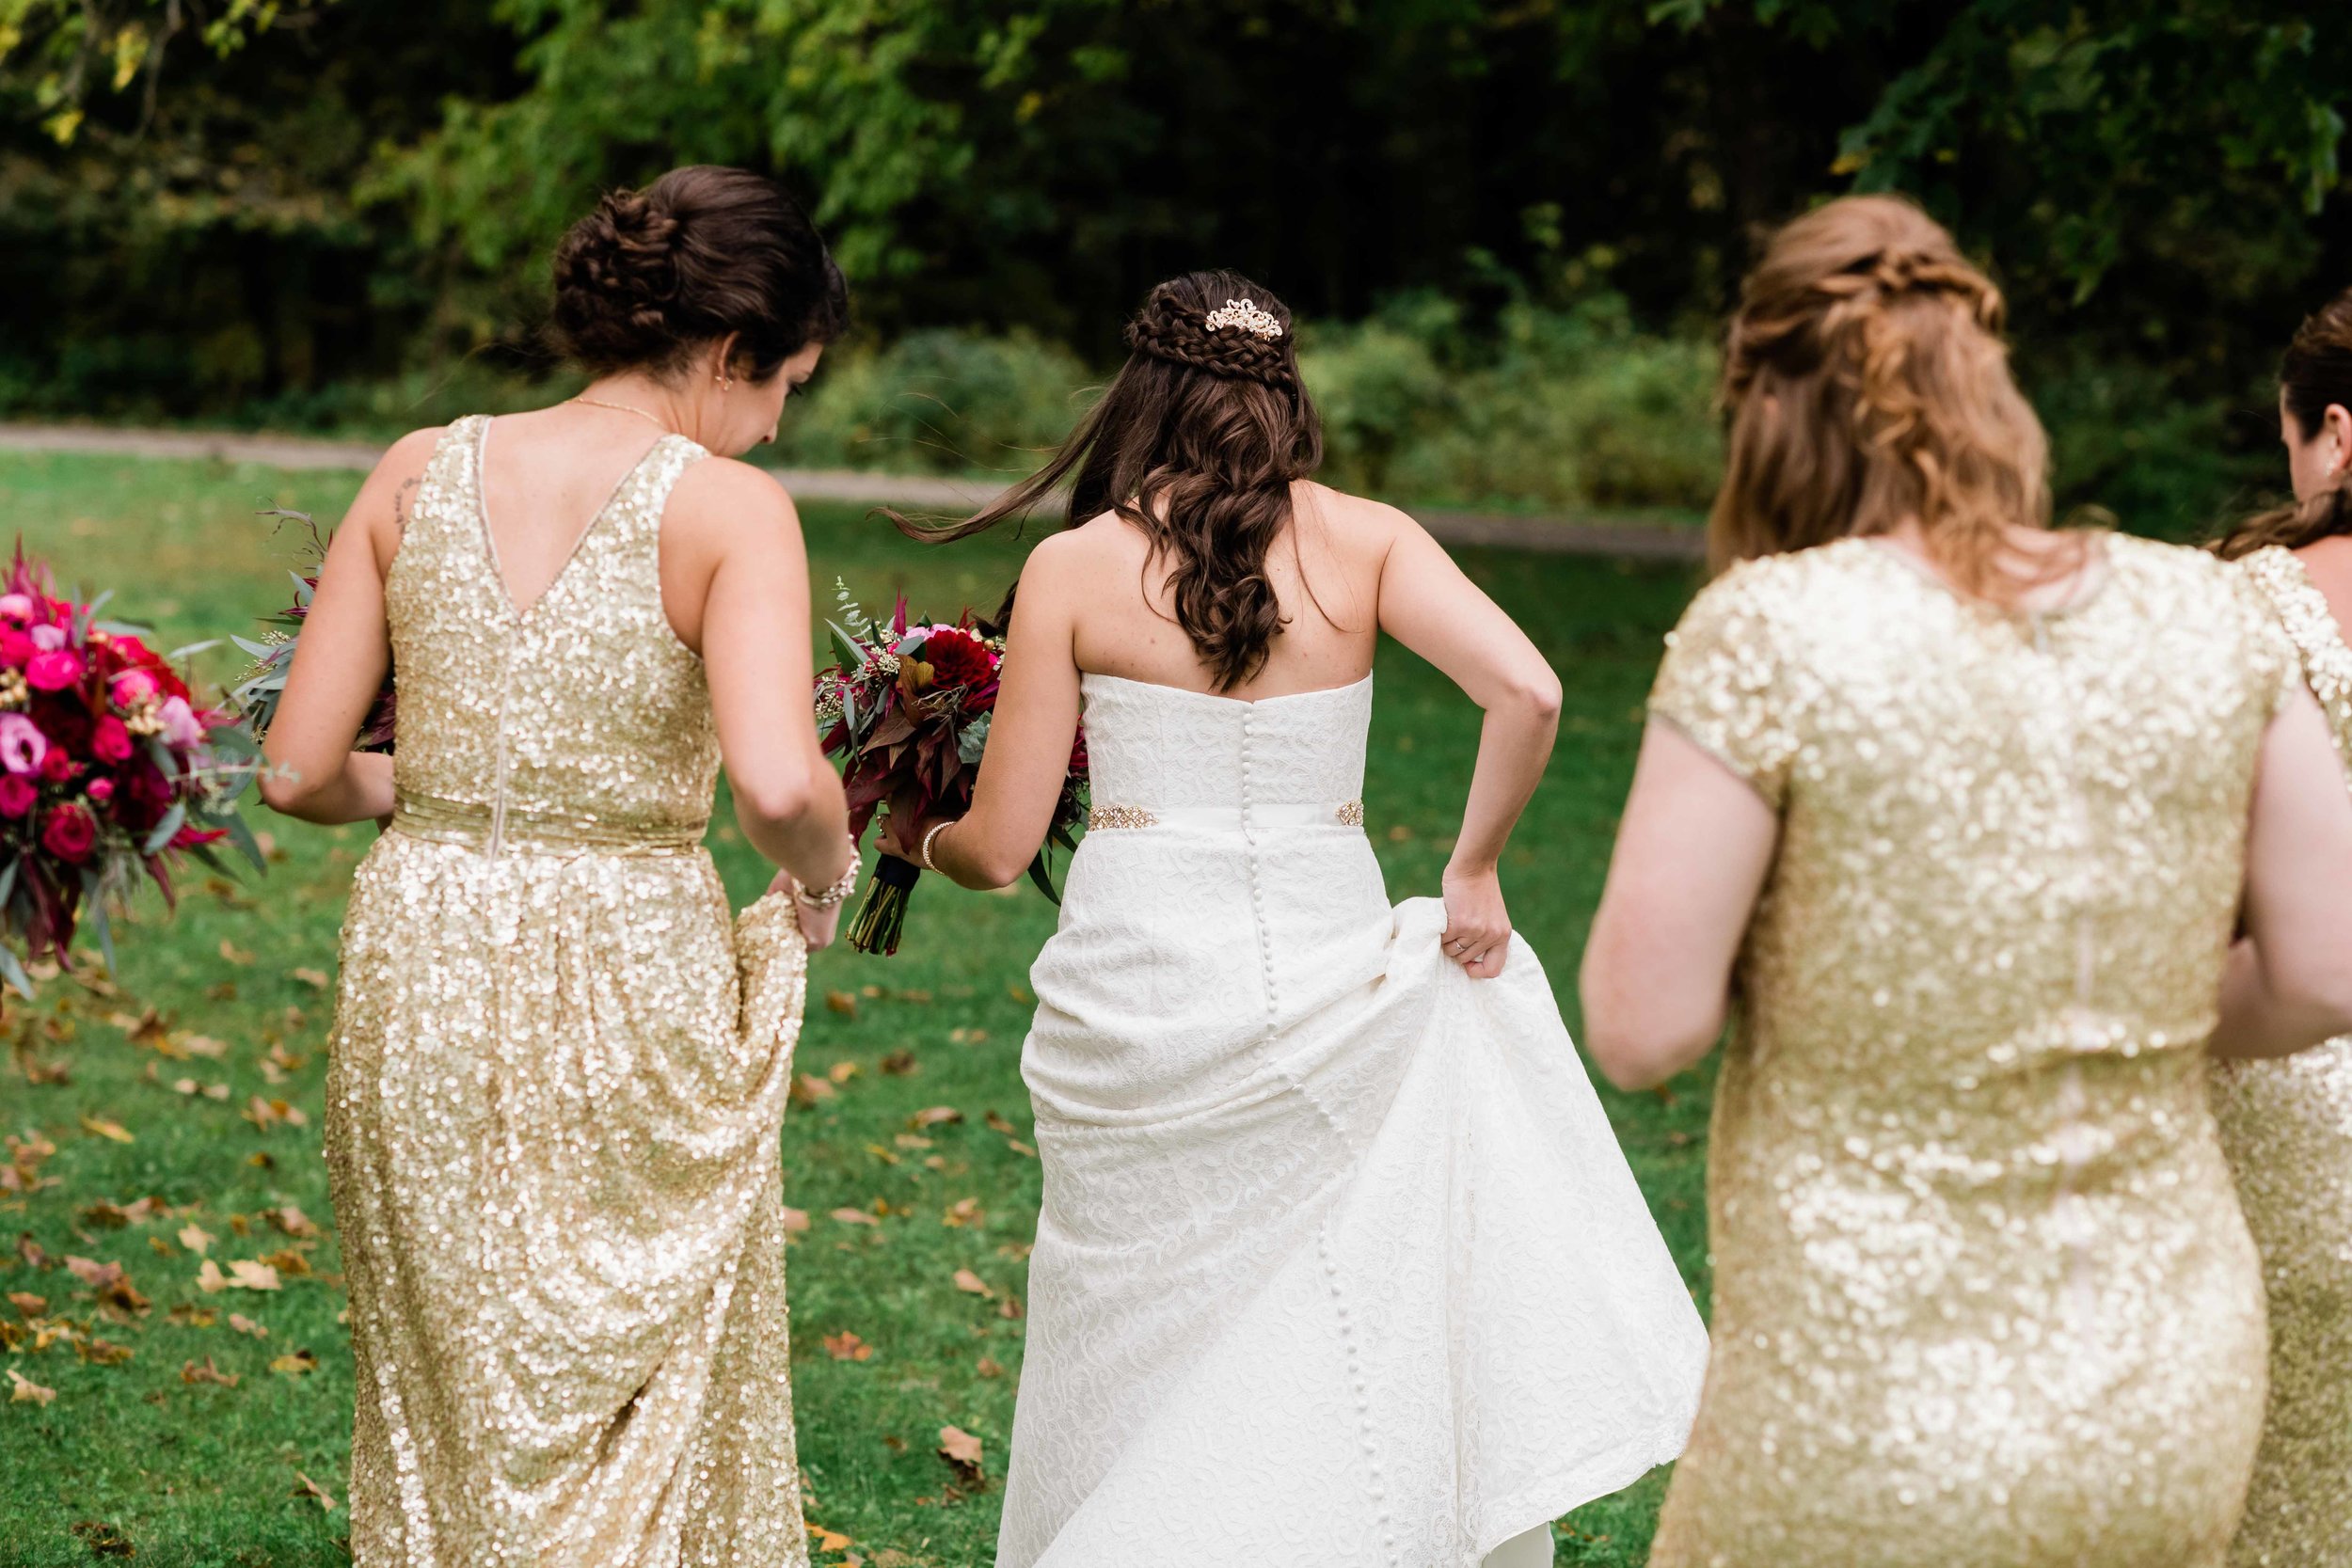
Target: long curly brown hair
[
  {"x": 1866, "y": 382},
  {"x": 2314, "y": 375},
  {"x": 1196, "y": 442}
]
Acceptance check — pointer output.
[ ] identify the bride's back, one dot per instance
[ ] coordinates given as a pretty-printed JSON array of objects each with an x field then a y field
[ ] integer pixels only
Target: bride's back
[{"x": 1324, "y": 568}]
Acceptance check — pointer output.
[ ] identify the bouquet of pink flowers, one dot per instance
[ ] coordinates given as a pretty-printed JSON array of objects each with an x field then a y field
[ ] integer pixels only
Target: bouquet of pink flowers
[
  {"x": 108, "y": 771},
  {"x": 909, "y": 704},
  {"x": 257, "y": 697}
]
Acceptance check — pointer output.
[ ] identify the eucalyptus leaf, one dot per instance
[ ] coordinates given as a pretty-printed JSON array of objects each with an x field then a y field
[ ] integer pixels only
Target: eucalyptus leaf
[
  {"x": 12, "y": 969},
  {"x": 173, "y": 821}
]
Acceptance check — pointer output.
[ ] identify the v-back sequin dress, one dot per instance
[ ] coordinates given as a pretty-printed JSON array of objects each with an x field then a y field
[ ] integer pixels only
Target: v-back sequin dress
[
  {"x": 2287, "y": 1126},
  {"x": 1983, "y": 1296},
  {"x": 556, "y": 1079}
]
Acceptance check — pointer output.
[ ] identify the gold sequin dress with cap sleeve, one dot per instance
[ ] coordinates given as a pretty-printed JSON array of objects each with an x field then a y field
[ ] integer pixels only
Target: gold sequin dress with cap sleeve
[
  {"x": 2287, "y": 1128},
  {"x": 1983, "y": 1296},
  {"x": 556, "y": 1079}
]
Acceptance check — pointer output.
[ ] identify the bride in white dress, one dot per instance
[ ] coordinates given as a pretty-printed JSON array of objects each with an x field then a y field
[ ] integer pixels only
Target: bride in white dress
[{"x": 1338, "y": 1263}]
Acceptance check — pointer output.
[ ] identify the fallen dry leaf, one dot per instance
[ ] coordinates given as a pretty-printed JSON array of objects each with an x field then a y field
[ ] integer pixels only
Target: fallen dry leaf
[
  {"x": 244, "y": 1325},
  {"x": 988, "y": 1366},
  {"x": 962, "y": 1450},
  {"x": 23, "y": 1390},
  {"x": 103, "y": 1353},
  {"x": 841, "y": 1072},
  {"x": 311, "y": 978},
  {"x": 996, "y": 1123},
  {"x": 195, "y": 1238},
  {"x": 105, "y": 1128},
  {"x": 193, "y": 1316},
  {"x": 1025, "y": 1150},
  {"x": 110, "y": 1280},
  {"x": 233, "y": 953},
  {"x": 296, "y": 1362},
  {"x": 266, "y": 1114},
  {"x": 854, "y": 1216},
  {"x": 964, "y": 1212},
  {"x": 828, "y": 1541},
  {"x": 244, "y": 1274},
  {"x": 203, "y": 1045},
  {"x": 192, "y": 1374},
  {"x": 809, "y": 1089},
  {"x": 114, "y": 1216},
  {"x": 29, "y": 1250},
  {"x": 841, "y": 1002},
  {"x": 1009, "y": 1308},
  {"x": 973, "y": 1284},
  {"x": 911, "y": 1140},
  {"x": 103, "y": 1539},
  {"x": 898, "y": 1063},
  {"x": 312, "y": 1489},
  {"x": 846, "y": 1346},
  {"x": 934, "y": 1116},
  {"x": 293, "y": 1220},
  {"x": 795, "y": 1221},
  {"x": 28, "y": 1303}
]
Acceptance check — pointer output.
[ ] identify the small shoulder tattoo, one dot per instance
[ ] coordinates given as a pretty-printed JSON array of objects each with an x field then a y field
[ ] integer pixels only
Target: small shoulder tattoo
[{"x": 401, "y": 499}]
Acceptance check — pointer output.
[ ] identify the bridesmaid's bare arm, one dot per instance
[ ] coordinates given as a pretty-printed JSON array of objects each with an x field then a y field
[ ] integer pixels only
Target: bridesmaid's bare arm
[
  {"x": 2290, "y": 985},
  {"x": 735, "y": 580},
  {"x": 1694, "y": 847},
  {"x": 341, "y": 658}
]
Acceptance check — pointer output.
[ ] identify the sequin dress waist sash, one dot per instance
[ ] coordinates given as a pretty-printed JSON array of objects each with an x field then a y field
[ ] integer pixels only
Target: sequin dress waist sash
[
  {"x": 502, "y": 826},
  {"x": 1243, "y": 819}
]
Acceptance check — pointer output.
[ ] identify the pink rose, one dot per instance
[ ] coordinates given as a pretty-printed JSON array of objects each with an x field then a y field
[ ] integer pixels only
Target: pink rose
[
  {"x": 101, "y": 790},
  {"x": 54, "y": 670},
  {"x": 16, "y": 648},
  {"x": 17, "y": 795},
  {"x": 110, "y": 739},
  {"x": 182, "y": 727},
  {"x": 59, "y": 766},
  {"x": 132, "y": 687},
  {"x": 48, "y": 637},
  {"x": 17, "y": 607},
  {"x": 22, "y": 747},
  {"x": 69, "y": 832}
]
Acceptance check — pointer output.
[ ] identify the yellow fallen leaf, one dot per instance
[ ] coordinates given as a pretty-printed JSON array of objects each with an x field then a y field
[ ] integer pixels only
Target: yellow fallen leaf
[
  {"x": 23, "y": 1390},
  {"x": 830, "y": 1541},
  {"x": 28, "y": 1303},
  {"x": 296, "y": 1362},
  {"x": 195, "y": 1238},
  {"x": 244, "y": 1274},
  {"x": 936, "y": 1115},
  {"x": 960, "y": 1448},
  {"x": 973, "y": 1284},
  {"x": 244, "y": 1325},
  {"x": 105, "y": 1128},
  {"x": 846, "y": 1346}
]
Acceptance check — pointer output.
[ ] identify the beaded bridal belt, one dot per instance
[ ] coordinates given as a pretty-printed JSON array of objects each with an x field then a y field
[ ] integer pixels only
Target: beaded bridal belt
[
  {"x": 1348, "y": 813},
  {"x": 493, "y": 828}
]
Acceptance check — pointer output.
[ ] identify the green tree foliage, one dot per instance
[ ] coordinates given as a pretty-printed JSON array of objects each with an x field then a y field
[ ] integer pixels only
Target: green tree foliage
[{"x": 376, "y": 189}]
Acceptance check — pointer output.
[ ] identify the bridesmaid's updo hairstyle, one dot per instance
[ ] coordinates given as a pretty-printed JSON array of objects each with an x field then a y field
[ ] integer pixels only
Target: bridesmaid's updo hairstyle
[
  {"x": 2314, "y": 375},
  {"x": 651, "y": 276},
  {"x": 1196, "y": 442},
  {"x": 1866, "y": 381}
]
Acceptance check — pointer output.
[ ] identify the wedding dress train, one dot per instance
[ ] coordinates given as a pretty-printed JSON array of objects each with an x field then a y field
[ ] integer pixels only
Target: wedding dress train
[{"x": 1339, "y": 1261}]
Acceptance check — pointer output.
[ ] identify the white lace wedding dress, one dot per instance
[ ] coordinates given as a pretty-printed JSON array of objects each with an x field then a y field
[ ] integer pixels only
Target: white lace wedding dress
[{"x": 1338, "y": 1263}]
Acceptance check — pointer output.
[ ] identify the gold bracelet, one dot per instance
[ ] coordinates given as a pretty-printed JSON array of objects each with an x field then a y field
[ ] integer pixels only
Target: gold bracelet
[
  {"x": 932, "y": 837},
  {"x": 843, "y": 885}
]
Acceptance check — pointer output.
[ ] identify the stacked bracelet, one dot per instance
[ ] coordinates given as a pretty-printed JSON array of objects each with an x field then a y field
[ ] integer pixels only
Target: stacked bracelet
[
  {"x": 929, "y": 839},
  {"x": 843, "y": 885}
]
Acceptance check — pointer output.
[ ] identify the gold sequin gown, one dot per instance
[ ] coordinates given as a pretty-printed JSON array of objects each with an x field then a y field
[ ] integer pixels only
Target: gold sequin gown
[
  {"x": 556, "y": 1079},
  {"x": 2287, "y": 1128},
  {"x": 1983, "y": 1296}
]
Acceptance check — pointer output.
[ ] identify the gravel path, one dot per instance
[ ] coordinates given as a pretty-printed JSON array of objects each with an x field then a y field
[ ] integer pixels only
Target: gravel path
[{"x": 1556, "y": 535}]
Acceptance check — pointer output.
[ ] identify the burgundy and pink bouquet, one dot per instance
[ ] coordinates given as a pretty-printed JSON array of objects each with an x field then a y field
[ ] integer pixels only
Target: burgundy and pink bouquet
[
  {"x": 109, "y": 771},
  {"x": 908, "y": 705}
]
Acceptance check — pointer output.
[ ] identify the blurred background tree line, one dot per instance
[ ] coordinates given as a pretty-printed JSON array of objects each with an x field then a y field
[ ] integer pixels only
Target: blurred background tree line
[{"x": 1511, "y": 225}]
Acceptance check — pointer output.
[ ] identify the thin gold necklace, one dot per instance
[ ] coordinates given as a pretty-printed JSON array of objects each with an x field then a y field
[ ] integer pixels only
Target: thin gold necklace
[{"x": 625, "y": 408}]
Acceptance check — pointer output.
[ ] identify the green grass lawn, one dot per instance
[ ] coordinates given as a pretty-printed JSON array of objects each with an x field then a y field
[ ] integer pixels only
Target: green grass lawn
[{"x": 231, "y": 998}]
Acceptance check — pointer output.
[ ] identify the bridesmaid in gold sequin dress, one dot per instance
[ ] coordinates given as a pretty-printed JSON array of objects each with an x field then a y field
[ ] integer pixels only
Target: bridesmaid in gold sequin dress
[
  {"x": 1958, "y": 809},
  {"x": 2287, "y": 1126},
  {"x": 557, "y": 1069}
]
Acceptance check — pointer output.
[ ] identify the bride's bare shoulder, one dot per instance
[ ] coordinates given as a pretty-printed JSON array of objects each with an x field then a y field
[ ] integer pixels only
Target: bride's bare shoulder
[{"x": 1351, "y": 524}]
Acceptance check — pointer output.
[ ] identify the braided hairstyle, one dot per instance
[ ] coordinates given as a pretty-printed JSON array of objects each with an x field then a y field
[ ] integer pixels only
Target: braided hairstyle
[
  {"x": 651, "y": 276},
  {"x": 1196, "y": 442},
  {"x": 2314, "y": 375},
  {"x": 1866, "y": 383}
]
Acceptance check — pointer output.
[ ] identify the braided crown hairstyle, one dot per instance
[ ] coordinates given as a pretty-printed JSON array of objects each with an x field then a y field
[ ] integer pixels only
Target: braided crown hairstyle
[
  {"x": 1867, "y": 382},
  {"x": 651, "y": 276},
  {"x": 1196, "y": 442},
  {"x": 2314, "y": 375}
]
